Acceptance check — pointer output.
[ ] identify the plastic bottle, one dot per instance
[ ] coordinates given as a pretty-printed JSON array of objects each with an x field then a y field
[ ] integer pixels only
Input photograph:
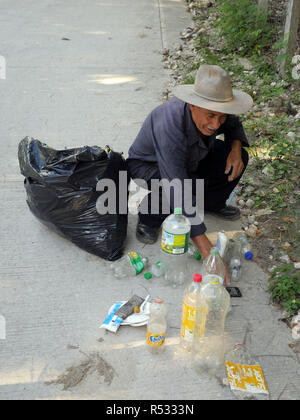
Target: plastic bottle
[
  {"x": 214, "y": 264},
  {"x": 240, "y": 355},
  {"x": 222, "y": 242},
  {"x": 130, "y": 265},
  {"x": 208, "y": 343},
  {"x": 195, "y": 265},
  {"x": 235, "y": 263},
  {"x": 245, "y": 245},
  {"x": 157, "y": 327},
  {"x": 246, "y": 248},
  {"x": 174, "y": 244},
  {"x": 192, "y": 301},
  {"x": 193, "y": 251},
  {"x": 158, "y": 269},
  {"x": 194, "y": 260}
]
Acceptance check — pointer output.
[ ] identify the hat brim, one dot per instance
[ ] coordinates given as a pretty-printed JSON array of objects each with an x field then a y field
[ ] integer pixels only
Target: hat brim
[{"x": 240, "y": 103}]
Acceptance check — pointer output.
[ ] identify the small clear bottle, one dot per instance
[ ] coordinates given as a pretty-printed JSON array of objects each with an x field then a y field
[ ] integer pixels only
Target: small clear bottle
[
  {"x": 245, "y": 245},
  {"x": 130, "y": 265},
  {"x": 192, "y": 302},
  {"x": 222, "y": 242},
  {"x": 240, "y": 355},
  {"x": 158, "y": 269},
  {"x": 157, "y": 327},
  {"x": 235, "y": 263},
  {"x": 228, "y": 252},
  {"x": 194, "y": 260},
  {"x": 214, "y": 264}
]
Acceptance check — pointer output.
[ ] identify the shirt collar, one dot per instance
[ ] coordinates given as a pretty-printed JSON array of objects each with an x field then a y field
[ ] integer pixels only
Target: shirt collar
[{"x": 194, "y": 135}]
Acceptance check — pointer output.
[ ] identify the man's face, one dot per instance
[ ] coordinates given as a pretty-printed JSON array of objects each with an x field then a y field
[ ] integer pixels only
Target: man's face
[{"x": 207, "y": 121}]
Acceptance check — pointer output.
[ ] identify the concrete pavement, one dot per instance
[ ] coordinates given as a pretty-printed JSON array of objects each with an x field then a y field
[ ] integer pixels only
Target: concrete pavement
[{"x": 89, "y": 73}]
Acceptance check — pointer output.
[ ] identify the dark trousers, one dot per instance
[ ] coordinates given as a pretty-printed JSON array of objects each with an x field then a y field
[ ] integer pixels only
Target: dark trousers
[{"x": 217, "y": 188}]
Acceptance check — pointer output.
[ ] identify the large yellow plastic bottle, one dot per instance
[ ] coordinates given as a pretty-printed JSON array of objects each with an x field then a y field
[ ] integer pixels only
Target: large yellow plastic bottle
[{"x": 192, "y": 302}]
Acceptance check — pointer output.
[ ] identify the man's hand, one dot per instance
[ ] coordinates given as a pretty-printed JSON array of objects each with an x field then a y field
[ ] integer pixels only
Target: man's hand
[
  {"x": 227, "y": 275},
  {"x": 234, "y": 161},
  {"x": 204, "y": 245}
]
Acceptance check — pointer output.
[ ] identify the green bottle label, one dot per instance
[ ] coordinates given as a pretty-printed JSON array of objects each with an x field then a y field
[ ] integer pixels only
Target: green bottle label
[{"x": 136, "y": 262}]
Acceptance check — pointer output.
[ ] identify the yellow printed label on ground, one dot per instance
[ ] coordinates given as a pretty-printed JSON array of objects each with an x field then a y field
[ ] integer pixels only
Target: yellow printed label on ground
[
  {"x": 246, "y": 378},
  {"x": 188, "y": 322}
]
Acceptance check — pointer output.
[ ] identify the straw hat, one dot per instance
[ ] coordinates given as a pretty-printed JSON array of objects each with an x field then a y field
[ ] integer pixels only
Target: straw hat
[{"x": 212, "y": 90}]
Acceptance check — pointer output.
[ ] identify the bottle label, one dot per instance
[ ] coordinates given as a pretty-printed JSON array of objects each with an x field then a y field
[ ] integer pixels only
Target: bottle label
[
  {"x": 246, "y": 378},
  {"x": 188, "y": 322},
  {"x": 136, "y": 262},
  {"x": 155, "y": 340},
  {"x": 174, "y": 244}
]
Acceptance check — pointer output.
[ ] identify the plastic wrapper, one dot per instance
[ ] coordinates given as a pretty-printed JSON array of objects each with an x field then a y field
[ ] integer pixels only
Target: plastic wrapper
[{"x": 61, "y": 193}]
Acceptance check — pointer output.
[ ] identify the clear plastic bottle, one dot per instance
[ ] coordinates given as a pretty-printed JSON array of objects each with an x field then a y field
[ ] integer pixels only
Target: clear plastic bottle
[
  {"x": 240, "y": 355},
  {"x": 158, "y": 269},
  {"x": 208, "y": 342},
  {"x": 157, "y": 327},
  {"x": 222, "y": 242},
  {"x": 235, "y": 263},
  {"x": 174, "y": 244},
  {"x": 130, "y": 265},
  {"x": 228, "y": 252},
  {"x": 195, "y": 265},
  {"x": 191, "y": 249},
  {"x": 214, "y": 264},
  {"x": 194, "y": 260},
  {"x": 192, "y": 302},
  {"x": 245, "y": 245}
]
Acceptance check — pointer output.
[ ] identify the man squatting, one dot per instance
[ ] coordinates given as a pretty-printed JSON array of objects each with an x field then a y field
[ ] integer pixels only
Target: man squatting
[{"x": 178, "y": 141}]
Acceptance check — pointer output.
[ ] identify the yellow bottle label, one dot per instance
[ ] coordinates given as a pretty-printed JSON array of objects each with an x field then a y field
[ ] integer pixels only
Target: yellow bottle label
[
  {"x": 155, "y": 340},
  {"x": 189, "y": 314},
  {"x": 246, "y": 378},
  {"x": 174, "y": 244}
]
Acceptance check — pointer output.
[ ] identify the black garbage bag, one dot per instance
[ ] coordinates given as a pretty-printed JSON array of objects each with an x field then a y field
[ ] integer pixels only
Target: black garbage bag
[{"x": 61, "y": 193}]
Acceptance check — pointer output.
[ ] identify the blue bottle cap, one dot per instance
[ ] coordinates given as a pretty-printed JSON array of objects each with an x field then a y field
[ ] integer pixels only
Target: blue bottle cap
[{"x": 248, "y": 255}]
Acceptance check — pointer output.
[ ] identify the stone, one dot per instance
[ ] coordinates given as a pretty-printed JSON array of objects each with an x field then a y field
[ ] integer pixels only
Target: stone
[
  {"x": 291, "y": 135},
  {"x": 297, "y": 265},
  {"x": 285, "y": 258},
  {"x": 251, "y": 219},
  {"x": 249, "y": 189},
  {"x": 251, "y": 231},
  {"x": 245, "y": 63},
  {"x": 268, "y": 170},
  {"x": 263, "y": 212},
  {"x": 241, "y": 203},
  {"x": 249, "y": 203}
]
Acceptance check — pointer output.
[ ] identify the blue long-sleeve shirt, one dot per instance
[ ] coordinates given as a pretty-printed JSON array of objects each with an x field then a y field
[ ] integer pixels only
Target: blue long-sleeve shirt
[{"x": 170, "y": 138}]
